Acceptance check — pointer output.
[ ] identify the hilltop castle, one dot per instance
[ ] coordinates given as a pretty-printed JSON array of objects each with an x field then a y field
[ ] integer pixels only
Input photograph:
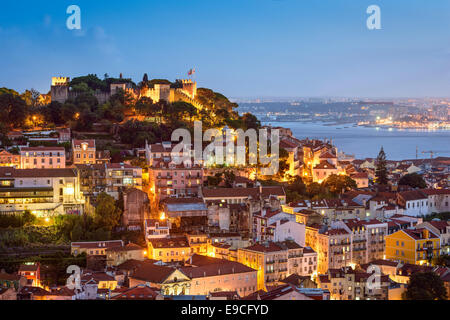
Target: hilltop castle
[{"x": 186, "y": 91}]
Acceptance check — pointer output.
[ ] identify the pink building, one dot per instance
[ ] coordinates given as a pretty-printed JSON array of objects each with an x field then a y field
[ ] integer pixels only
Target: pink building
[
  {"x": 42, "y": 158},
  {"x": 170, "y": 180}
]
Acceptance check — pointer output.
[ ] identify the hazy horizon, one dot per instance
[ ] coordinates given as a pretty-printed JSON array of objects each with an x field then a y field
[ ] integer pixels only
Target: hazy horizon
[{"x": 251, "y": 48}]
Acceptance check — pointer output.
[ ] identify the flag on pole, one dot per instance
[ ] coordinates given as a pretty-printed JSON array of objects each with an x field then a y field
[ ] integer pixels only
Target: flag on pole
[{"x": 191, "y": 72}]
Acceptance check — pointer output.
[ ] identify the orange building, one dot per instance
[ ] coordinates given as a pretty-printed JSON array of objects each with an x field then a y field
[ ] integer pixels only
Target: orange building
[
  {"x": 7, "y": 159},
  {"x": 32, "y": 272},
  {"x": 84, "y": 151}
]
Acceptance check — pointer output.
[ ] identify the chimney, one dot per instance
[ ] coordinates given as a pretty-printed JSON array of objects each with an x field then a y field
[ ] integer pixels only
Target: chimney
[{"x": 426, "y": 234}]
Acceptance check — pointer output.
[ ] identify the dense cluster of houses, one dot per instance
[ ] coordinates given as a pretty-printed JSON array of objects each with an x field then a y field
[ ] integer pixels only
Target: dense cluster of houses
[{"x": 243, "y": 241}]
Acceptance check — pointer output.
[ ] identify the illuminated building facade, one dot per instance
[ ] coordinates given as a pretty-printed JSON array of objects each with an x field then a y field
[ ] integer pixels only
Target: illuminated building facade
[
  {"x": 7, "y": 159},
  {"x": 44, "y": 192},
  {"x": 42, "y": 158},
  {"x": 83, "y": 151}
]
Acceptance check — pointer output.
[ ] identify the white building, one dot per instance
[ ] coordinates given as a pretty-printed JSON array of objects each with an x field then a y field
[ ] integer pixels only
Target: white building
[
  {"x": 44, "y": 192},
  {"x": 155, "y": 228},
  {"x": 438, "y": 200},
  {"x": 289, "y": 230},
  {"x": 415, "y": 202}
]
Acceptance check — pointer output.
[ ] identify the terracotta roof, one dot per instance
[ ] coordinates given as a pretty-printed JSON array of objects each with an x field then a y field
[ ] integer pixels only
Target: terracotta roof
[
  {"x": 227, "y": 267},
  {"x": 36, "y": 291},
  {"x": 325, "y": 165},
  {"x": 230, "y": 295},
  {"x": 435, "y": 191},
  {"x": 274, "y": 246},
  {"x": 178, "y": 242},
  {"x": 295, "y": 279},
  {"x": 359, "y": 175},
  {"x": 128, "y": 247},
  {"x": 440, "y": 225},
  {"x": 416, "y": 234},
  {"x": 139, "y": 292},
  {"x": 132, "y": 264},
  {"x": 243, "y": 192},
  {"x": 327, "y": 155},
  {"x": 412, "y": 195},
  {"x": 29, "y": 267},
  {"x": 152, "y": 273},
  {"x": 10, "y": 172},
  {"x": 77, "y": 143},
  {"x": 333, "y": 232}
]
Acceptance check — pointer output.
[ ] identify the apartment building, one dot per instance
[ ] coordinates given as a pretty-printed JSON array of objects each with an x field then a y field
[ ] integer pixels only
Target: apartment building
[
  {"x": 94, "y": 248},
  {"x": 414, "y": 246},
  {"x": 415, "y": 202},
  {"x": 349, "y": 284},
  {"x": 277, "y": 260},
  {"x": 83, "y": 151},
  {"x": 44, "y": 192},
  {"x": 8, "y": 159},
  {"x": 42, "y": 158},
  {"x": 168, "y": 179},
  {"x": 367, "y": 239},
  {"x": 173, "y": 249},
  {"x": 120, "y": 176},
  {"x": 333, "y": 249},
  {"x": 441, "y": 228},
  {"x": 211, "y": 275}
]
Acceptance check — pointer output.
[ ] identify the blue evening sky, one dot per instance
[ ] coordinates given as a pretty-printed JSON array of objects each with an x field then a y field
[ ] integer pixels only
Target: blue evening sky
[{"x": 241, "y": 48}]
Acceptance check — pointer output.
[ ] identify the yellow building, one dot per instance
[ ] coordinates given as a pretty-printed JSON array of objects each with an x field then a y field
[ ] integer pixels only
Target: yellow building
[
  {"x": 169, "y": 249},
  {"x": 118, "y": 255},
  {"x": 84, "y": 151},
  {"x": 103, "y": 280},
  {"x": 415, "y": 246},
  {"x": 199, "y": 243},
  {"x": 94, "y": 248}
]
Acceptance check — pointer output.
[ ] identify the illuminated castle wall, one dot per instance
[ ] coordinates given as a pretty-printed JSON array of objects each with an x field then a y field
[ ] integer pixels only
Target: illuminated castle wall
[{"x": 60, "y": 92}]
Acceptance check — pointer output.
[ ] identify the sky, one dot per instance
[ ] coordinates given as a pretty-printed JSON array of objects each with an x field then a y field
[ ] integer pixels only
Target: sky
[{"x": 241, "y": 48}]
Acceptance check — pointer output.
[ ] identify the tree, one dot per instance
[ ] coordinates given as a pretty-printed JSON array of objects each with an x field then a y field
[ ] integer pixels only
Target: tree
[
  {"x": 107, "y": 214},
  {"x": 28, "y": 218},
  {"x": 229, "y": 178},
  {"x": 425, "y": 286},
  {"x": 314, "y": 189},
  {"x": 413, "y": 180},
  {"x": 339, "y": 183},
  {"x": 12, "y": 109},
  {"x": 31, "y": 97},
  {"x": 250, "y": 121},
  {"x": 297, "y": 185},
  {"x": 145, "y": 79},
  {"x": 214, "y": 181},
  {"x": 442, "y": 260},
  {"x": 381, "y": 170}
]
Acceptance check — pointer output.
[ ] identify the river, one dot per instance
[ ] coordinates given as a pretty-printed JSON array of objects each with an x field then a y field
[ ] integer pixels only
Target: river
[{"x": 364, "y": 142}]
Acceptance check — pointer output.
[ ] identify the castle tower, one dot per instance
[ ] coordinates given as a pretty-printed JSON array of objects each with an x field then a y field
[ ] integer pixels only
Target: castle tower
[
  {"x": 190, "y": 88},
  {"x": 59, "y": 90}
]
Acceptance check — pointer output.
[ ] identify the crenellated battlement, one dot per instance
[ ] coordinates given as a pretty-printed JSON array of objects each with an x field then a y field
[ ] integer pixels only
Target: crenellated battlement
[{"x": 60, "y": 81}]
